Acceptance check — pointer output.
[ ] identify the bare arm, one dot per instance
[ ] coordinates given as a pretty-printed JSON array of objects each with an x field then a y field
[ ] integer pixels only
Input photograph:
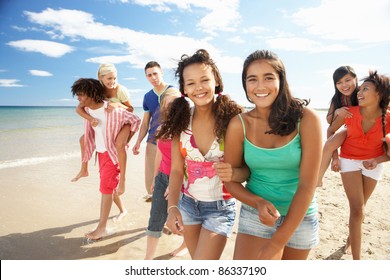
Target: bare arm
[
  {"x": 142, "y": 132},
  {"x": 125, "y": 105},
  {"x": 157, "y": 162},
  {"x": 81, "y": 112},
  {"x": 174, "y": 220},
  {"x": 311, "y": 143},
  {"x": 234, "y": 155}
]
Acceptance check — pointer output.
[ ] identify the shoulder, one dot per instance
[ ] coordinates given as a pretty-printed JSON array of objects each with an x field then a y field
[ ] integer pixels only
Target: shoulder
[
  {"x": 236, "y": 122},
  {"x": 310, "y": 118},
  {"x": 123, "y": 89}
]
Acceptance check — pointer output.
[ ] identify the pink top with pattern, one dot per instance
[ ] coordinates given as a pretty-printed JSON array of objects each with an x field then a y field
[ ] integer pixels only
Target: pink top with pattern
[{"x": 203, "y": 184}]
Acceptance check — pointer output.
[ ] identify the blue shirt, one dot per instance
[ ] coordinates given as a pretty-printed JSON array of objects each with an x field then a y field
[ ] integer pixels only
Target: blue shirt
[{"x": 151, "y": 104}]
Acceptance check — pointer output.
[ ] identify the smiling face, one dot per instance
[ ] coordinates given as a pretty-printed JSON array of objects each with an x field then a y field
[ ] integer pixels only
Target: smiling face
[
  {"x": 109, "y": 80},
  {"x": 199, "y": 83},
  {"x": 347, "y": 84},
  {"x": 368, "y": 95},
  {"x": 262, "y": 83}
]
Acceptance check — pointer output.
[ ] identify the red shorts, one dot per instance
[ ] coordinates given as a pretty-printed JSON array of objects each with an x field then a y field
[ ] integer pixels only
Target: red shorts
[{"x": 109, "y": 174}]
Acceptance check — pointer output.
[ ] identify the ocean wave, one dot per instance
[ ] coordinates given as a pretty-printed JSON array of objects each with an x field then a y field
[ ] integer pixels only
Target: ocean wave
[{"x": 35, "y": 160}]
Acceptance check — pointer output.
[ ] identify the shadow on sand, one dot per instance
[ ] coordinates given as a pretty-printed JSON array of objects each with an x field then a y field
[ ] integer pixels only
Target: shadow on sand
[
  {"x": 50, "y": 244},
  {"x": 336, "y": 255}
]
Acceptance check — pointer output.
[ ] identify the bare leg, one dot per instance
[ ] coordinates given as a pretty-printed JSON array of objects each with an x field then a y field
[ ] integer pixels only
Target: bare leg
[
  {"x": 150, "y": 155},
  {"x": 358, "y": 189},
  {"x": 367, "y": 191},
  {"x": 151, "y": 246},
  {"x": 84, "y": 165},
  {"x": 295, "y": 254},
  {"x": 122, "y": 209},
  {"x": 105, "y": 208},
  {"x": 180, "y": 251},
  {"x": 120, "y": 143},
  {"x": 331, "y": 145},
  {"x": 203, "y": 244}
]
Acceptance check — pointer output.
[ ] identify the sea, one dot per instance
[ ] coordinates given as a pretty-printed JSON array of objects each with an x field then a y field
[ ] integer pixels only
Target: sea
[{"x": 34, "y": 135}]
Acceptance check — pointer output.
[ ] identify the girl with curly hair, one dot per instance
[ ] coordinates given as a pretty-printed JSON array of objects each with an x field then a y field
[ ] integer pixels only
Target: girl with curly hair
[
  {"x": 201, "y": 210},
  {"x": 364, "y": 150}
]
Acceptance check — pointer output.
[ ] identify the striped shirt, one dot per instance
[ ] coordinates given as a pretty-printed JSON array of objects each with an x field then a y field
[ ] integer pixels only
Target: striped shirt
[{"x": 114, "y": 123}]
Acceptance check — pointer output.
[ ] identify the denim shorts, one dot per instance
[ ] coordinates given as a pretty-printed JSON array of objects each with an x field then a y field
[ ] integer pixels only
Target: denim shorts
[
  {"x": 305, "y": 236},
  {"x": 216, "y": 216},
  {"x": 158, "y": 211}
]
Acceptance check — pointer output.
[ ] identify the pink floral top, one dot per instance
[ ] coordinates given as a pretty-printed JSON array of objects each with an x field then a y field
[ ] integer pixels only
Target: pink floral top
[{"x": 202, "y": 182}]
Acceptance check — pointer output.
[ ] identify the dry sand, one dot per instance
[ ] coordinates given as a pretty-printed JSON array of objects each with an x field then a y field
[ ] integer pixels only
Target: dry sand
[{"x": 44, "y": 216}]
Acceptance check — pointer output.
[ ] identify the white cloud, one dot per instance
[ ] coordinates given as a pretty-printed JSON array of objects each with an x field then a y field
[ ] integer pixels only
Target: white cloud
[
  {"x": 140, "y": 46},
  {"x": 222, "y": 15},
  {"x": 10, "y": 83},
  {"x": 347, "y": 20},
  {"x": 115, "y": 59},
  {"x": 255, "y": 30},
  {"x": 40, "y": 73},
  {"x": 236, "y": 40},
  {"x": 303, "y": 45},
  {"x": 48, "y": 48}
]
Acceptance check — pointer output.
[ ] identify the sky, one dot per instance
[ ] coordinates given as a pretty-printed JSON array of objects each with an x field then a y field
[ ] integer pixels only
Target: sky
[{"x": 45, "y": 45}]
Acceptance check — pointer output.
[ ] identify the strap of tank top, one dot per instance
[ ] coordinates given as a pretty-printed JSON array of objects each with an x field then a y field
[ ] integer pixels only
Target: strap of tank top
[{"x": 243, "y": 124}]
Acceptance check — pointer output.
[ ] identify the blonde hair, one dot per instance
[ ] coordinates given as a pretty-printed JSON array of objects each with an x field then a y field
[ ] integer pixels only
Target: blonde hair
[
  {"x": 105, "y": 68},
  {"x": 174, "y": 92}
]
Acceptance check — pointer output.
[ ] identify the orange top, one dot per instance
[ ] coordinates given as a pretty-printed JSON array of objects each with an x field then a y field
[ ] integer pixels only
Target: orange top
[{"x": 360, "y": 145}]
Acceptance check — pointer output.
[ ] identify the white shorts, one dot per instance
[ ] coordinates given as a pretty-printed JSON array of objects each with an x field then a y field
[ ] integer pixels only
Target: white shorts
[{"x": 351, "y": 165}]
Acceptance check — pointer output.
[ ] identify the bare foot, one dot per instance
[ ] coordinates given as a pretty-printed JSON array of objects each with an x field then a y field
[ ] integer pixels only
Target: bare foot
[
  {"x": 120, "y": 216},
  {"x": 179, "y": 252},
  {"x": 96, "y": 235},
  {"x": 80, "y": 175},
  {"x": 347, "y": 247}
]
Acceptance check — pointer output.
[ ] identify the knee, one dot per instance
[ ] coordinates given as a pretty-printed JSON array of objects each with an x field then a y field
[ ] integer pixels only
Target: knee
[
  {"x": 357, "y": 212},
  {"x": 120, "y": 146}
]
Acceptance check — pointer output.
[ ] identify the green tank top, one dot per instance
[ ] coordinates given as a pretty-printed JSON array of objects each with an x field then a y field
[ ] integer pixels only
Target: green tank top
[{"x": 275, "y": 172}]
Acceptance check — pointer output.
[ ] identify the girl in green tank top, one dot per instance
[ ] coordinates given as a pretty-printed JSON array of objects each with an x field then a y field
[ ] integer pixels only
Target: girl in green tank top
[{"x": 279, "y": 140}]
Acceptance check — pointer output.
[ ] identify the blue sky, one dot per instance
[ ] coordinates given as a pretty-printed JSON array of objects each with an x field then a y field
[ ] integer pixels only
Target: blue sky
[{"x": 46, "y": 45}]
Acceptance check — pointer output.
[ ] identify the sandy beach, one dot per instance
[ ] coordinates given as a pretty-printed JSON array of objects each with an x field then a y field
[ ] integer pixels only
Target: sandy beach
[{"x": 44, "y": 217}]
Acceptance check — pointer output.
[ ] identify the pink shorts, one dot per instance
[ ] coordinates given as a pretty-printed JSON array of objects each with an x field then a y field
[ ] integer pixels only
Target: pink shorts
[{"x": 109, "y": 174}]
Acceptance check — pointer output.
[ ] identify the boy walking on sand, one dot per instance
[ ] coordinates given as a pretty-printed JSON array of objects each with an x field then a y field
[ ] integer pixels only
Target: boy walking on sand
[{"x": 101, "y": 138}]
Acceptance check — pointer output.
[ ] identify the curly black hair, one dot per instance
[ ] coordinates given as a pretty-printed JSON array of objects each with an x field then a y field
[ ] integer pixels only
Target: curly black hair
[
  {"x": 179, "y": 115},
  {"x": 89, "y": 87},
  {"x": 382, "y": 86},
  {"x": 286, "y": 110}
]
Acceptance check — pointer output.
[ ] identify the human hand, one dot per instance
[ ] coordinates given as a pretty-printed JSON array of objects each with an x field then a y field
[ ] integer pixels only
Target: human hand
[
  {"x": 120, "y": 190},
  {"x": 370, "y": 164},
  {"x": 112, "y": 106},
  {"x": 94, "y": 122},
  {"x": 343, "y": 112},
  {"x": 136, "y": 149},
  {"x": 166, "y": 194},
  {"x": 268, "y": 214},
  {"x": 152, "y": 187},
  {"x": 224, "y": 171},
  {"x": 174, "y": 220},
  {"x": 335, "y": 165}
]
